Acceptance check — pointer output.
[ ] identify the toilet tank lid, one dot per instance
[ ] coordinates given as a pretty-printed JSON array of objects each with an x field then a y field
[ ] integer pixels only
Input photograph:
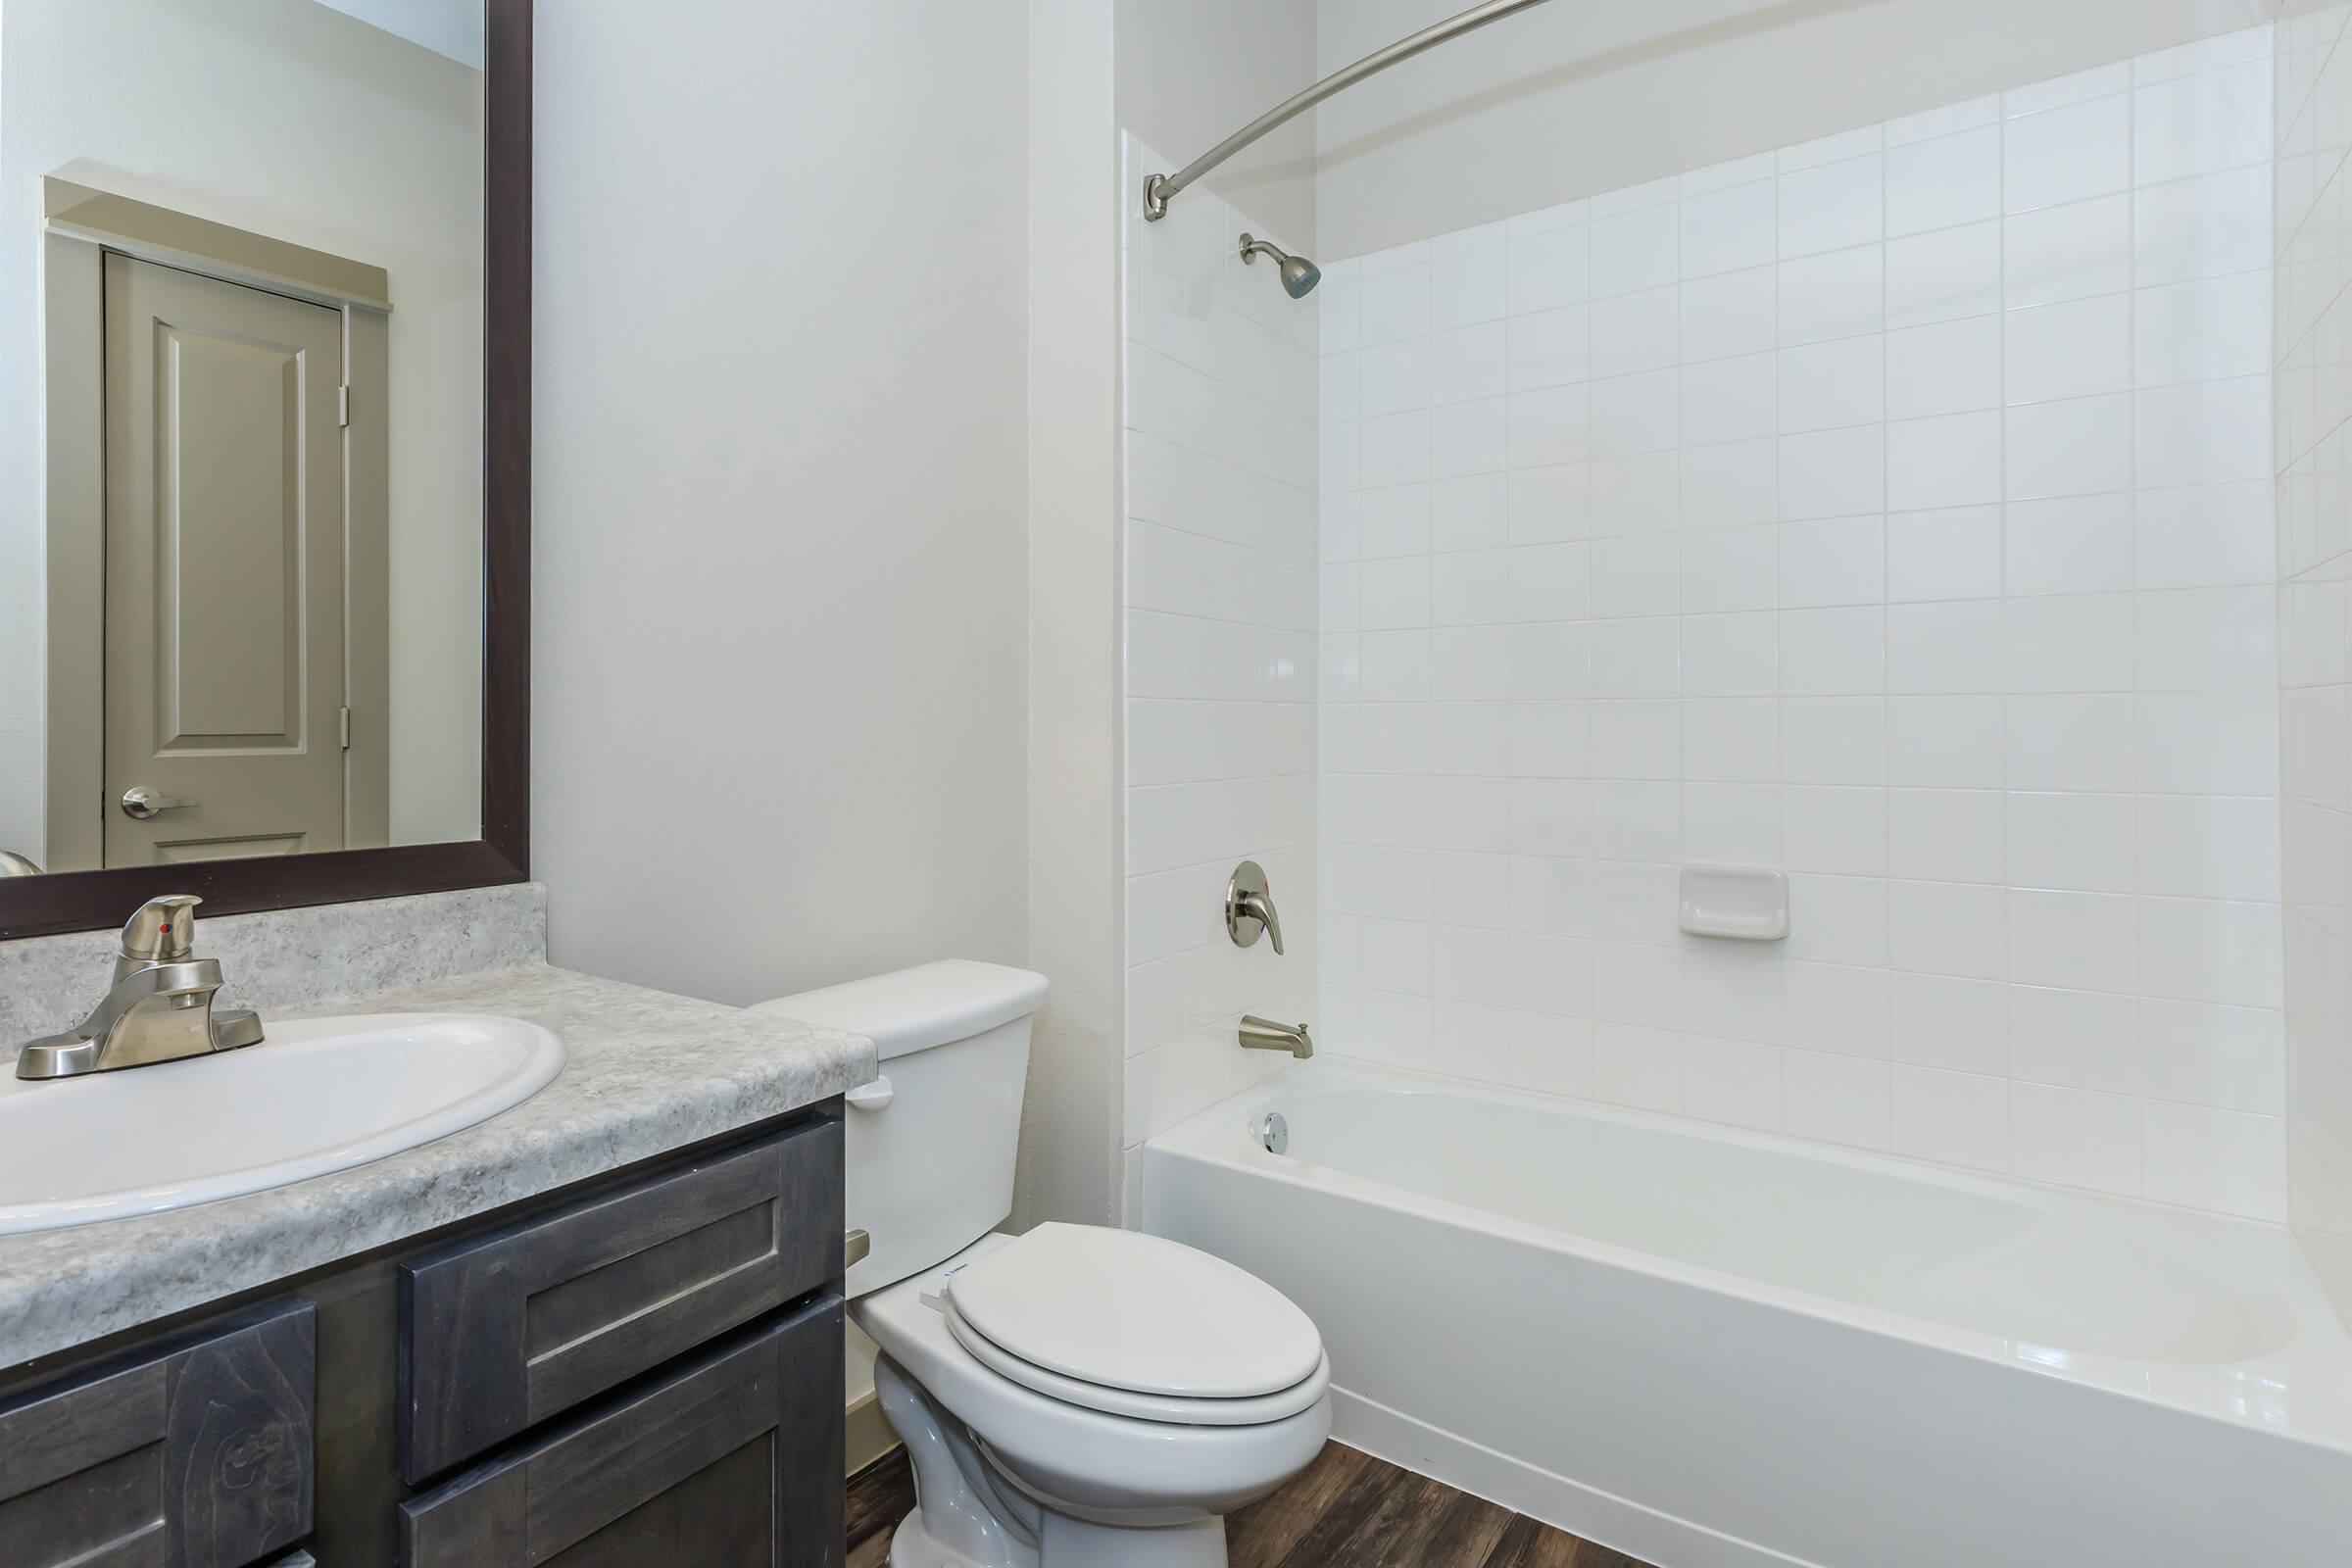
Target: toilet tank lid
[{"x": 913, "y": 1009}]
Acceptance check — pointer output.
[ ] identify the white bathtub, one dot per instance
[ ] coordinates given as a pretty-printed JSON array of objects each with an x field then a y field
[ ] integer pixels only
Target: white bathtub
[{"x": 1706, "y": 1347}]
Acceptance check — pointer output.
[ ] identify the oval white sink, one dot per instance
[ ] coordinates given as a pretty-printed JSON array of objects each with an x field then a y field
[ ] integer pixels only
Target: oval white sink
[{"x": 318, "y": 1095}]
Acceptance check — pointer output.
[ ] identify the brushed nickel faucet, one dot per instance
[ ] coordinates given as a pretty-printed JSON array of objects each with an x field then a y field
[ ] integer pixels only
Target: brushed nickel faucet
[
  {"x": 1265, "y": 1034},
  {"x": 1249, "y": 908},
  {"x": 158, "y": 1008}
]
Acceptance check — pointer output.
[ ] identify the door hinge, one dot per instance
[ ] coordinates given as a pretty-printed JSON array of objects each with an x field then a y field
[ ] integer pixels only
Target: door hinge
[
  {"x": 343, "y": 404},
  {"x": 346, "y": 718}
]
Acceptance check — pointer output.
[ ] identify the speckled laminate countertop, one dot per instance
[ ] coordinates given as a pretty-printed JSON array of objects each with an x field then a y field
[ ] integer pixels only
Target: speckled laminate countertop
[{"x": 646, "y": 1072}]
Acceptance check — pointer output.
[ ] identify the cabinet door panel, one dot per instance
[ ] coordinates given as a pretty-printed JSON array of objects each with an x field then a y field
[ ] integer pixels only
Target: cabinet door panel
[
  {"x": 722, "y": 1515},
  {"x": 503, "y": 1330},
  {"x": 199, "y": 1456},
  {"x": 731, "y": 1462}
]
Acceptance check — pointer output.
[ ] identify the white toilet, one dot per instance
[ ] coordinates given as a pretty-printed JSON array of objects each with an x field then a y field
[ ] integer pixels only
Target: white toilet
[{"x": 1075, "y": 1397}]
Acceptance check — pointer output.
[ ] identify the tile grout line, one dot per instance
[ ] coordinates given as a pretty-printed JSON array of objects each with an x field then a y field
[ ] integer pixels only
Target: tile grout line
[
  {"x": 2139, "y": 849},
  {"x": 1885, "y": 580}
]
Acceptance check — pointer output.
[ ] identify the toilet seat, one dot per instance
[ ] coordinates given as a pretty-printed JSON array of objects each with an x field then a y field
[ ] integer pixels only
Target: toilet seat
[
  {"x": 1173, "y": 1410},
  {"x": 1063, "y": 1454},
  {"x": 1138, "y": 1315}
]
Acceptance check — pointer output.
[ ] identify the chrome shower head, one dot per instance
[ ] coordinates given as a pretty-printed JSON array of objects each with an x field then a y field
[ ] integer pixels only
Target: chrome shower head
[{"x": 1298, "y": 275}]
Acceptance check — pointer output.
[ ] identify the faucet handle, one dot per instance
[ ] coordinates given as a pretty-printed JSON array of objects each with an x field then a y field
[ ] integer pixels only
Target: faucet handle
[
  {"x": 1249, "y": 908},
  {"x": 162, "y": 931}
]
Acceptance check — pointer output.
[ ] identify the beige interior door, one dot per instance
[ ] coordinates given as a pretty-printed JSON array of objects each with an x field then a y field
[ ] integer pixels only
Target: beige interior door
[{"x": 225, "y": 568}]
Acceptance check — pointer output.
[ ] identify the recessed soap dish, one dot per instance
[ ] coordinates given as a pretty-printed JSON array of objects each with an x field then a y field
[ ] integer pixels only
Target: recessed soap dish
[{"x": 1735, "y": 902}]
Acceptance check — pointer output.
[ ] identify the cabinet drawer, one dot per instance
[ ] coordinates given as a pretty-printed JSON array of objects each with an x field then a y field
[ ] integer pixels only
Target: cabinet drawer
[
  {"x": 193, "y": 1458},
  {"x": 732, "y": 1461},
  {"x": 503, "y": 1330}
]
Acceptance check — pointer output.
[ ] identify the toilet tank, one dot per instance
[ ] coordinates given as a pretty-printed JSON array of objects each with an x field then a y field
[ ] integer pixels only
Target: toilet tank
[{"x": 932, "y": 1144}]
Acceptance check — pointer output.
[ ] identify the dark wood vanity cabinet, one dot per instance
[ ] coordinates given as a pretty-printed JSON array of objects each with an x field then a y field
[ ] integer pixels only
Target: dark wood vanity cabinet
[
  {"x": 718, "y": 1461},
  {"x": 502, "y": 1331},
  {"x": 196, "y": 1454},
  {"x": 647, "y": 1369}
]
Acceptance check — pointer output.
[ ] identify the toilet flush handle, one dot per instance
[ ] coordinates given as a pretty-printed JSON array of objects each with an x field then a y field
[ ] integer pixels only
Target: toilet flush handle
[{"x": 871, "y": 1097}]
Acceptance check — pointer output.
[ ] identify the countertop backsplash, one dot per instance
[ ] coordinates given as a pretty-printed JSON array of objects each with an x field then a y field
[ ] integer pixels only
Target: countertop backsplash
[{"x": 283, "y": 959}]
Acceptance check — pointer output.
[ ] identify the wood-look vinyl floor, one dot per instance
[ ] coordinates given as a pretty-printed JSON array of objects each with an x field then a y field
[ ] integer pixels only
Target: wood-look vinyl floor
[{"x": 1345, "y": 1510}]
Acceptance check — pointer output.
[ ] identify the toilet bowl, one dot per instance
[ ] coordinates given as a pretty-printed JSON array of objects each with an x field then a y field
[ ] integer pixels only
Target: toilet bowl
[
  {"x": 1077, "y": 1396},
  {"x": 1020, "y": 1463}
]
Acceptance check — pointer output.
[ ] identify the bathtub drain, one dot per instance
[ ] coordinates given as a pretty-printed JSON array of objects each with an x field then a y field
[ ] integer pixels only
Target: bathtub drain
[{"x": 1274, "y": 1133}]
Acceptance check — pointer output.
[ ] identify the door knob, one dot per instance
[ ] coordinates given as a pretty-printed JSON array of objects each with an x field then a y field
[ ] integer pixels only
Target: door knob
[{"x": 141, "y": 802}]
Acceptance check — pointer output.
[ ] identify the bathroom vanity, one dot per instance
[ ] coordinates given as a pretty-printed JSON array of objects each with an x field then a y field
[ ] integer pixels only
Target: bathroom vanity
[{"x": 608, "y": 1316}]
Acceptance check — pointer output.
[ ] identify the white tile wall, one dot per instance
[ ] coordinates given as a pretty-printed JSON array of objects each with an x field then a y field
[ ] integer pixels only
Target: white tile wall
[
  {"x": 1896, "y": 510},
  {"x": 2314, "y": 103},
  {"x": 1220, "y": 613}
]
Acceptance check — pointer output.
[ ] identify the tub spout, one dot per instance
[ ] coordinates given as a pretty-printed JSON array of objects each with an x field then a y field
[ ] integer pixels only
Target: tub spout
[{"x": 1263, "y": 1033}]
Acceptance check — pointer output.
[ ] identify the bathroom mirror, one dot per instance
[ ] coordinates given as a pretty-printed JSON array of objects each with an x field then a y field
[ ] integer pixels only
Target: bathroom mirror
[{"x": 265, "y": 424}]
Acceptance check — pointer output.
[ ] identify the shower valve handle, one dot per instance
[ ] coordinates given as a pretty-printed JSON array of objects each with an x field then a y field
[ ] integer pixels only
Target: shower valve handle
[{"x": 1249, "y": 908}]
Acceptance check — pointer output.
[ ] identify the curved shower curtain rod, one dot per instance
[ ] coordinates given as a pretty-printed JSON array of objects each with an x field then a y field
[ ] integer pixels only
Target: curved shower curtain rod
[{"x": 1161, "y": 187}]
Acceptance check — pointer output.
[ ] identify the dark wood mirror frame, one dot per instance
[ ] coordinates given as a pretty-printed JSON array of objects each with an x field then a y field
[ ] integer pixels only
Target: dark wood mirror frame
[{"x": 86, "y": 901}]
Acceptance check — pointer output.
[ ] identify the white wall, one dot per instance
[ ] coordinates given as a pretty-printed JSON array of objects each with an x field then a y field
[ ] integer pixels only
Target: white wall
[
  {"x": 780, "y": 531},
  {"x": 1895, "y": 510},
  {"x": 1070, "y": 1118},
  {"x": 1568, "y": 100},
  {"x": 299, "y": 123},
  {"x": 1220, "y": 678},
  {"x": 2315, "y": 574}
]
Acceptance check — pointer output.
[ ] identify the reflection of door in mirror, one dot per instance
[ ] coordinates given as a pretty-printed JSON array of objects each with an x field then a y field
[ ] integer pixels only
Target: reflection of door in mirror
[
  {"x": 243, "y": 206},
  {"x": 227, "y": 661}
]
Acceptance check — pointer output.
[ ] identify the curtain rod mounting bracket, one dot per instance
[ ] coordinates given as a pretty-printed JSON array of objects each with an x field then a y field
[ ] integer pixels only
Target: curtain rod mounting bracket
[{"x": 1160, "y": 189}]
